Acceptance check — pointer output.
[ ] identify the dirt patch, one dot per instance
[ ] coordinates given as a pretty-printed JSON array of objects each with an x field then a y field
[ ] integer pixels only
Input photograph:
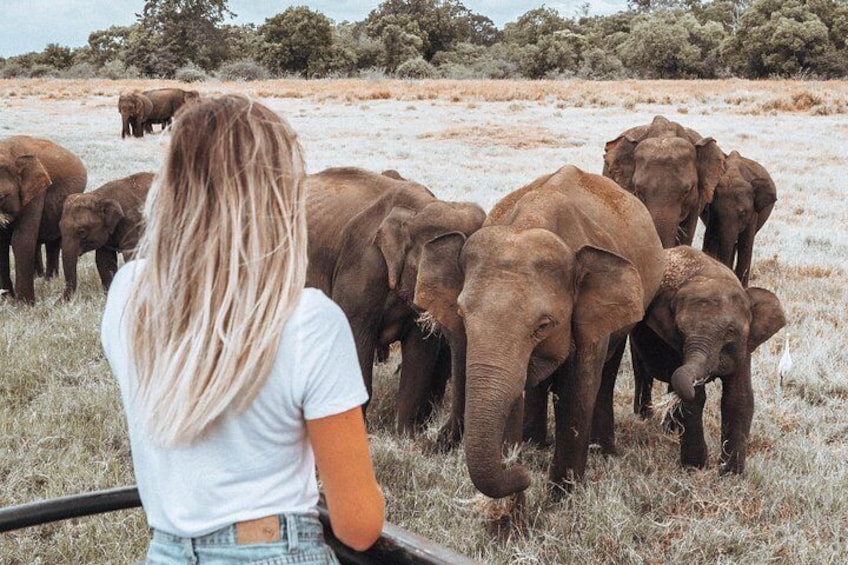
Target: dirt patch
[{"x": 485, "y": 135}]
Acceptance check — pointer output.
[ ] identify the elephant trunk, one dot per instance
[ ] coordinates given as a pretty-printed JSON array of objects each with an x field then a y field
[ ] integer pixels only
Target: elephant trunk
[
  {"x": 668, "y": 230},
  {"x": 491, "y": 393},
  {"x": 696, "y": 367},
  {"x": 70, "y": 255},
  {"x": 125, "y": 125}
]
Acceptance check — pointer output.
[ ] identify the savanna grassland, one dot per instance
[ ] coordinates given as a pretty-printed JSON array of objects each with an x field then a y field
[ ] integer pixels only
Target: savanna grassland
[{"x": 62, "y": 430}]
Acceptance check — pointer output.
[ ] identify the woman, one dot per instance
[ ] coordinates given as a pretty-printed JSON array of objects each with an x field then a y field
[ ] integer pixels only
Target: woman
[{"x": 236, "y": 380}]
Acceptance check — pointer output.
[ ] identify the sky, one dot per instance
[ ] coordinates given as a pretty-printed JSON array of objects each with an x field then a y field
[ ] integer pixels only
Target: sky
[{"x": 29, "y": 25}]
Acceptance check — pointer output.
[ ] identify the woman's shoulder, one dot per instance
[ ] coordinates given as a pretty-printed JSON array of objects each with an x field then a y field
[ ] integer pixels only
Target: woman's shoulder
[
  {"x": 314, "y": 308},
  {"x": 124, "y": 277}
]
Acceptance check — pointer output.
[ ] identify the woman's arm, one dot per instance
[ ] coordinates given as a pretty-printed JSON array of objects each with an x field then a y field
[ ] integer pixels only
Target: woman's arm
[{"x": 354, "y": 498}]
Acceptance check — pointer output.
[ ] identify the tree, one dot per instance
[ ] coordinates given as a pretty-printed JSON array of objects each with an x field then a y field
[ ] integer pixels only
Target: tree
[
  {"x": 532, "y": 26},
  {"x": 665, "y": 45},
  {"x": 172, "y": 33},
  {"x": 439, "y": 24},
  {"x": 297, "y": 40},
  {"x": 107, "y": 45},
  {"x": 783, "y": 37},
  {"x": 56, "y": 56}
]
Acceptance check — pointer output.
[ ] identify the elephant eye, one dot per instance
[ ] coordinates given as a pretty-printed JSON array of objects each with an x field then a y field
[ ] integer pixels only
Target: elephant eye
[{"x": 543, "y": 328}]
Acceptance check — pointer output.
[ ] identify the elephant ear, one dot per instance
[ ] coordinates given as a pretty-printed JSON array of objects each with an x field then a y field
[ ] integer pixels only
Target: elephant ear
[
  {"x": 710, "y": 165},
  {"x": 34, "y": 178},
  {"x": 112, "y": 213},
  {"x": 392, "y": 174},
  {"x": 767, "y": 316},
  {"x": 609, "y": 294},
  {"x": 765, "y": 192},
  {"x": 440, "y": 280},
  {"x": 619, "y": 162},
  {"x": 393, "y": 240},
  {"x": 659, "y": 317}
]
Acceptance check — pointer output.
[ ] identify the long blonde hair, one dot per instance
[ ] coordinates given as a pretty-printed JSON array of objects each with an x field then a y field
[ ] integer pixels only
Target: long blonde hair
[{"x": 225, "y": 251}]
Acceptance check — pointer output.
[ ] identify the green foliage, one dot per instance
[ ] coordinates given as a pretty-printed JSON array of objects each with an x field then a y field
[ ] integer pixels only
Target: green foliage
[
  {"x": 173, "y": 32},
  {"x": 108, "y": 44},
  {"x": 416, "y": 68},
  {"x": 243, "y": 69},
  {"x": 597, "y": 64},
  {"x": 534, "y": 25},
  {"x": 784, "y": 38},
  {"x": 117, "y": 70},
  {"x": 82, "y": 70},
  {"x": 671, "y": 44},
  {"x": 438, "y": 24},
  {"x": 297, "y": 40},
  {"x": 470, "y": 61}
]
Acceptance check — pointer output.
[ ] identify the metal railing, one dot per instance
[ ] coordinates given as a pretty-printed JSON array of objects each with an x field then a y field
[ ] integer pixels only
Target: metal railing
[{"x": 396, "y": 546}]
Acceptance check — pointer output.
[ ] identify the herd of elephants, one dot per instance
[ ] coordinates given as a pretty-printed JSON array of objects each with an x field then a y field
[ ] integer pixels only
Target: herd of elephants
[{"x": 529, "y": 303}]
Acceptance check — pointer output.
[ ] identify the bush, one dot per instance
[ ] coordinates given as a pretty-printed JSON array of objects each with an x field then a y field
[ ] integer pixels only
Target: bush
[
  {"x": 599, "y": 65},
  {"x": 80, "y": 70},
  {"x": 416, "y": 68},
  {"x": 11, "y": 70},
  {"x": 117, "y": 70},
  {"x": 191, "y": 73},
  {"x": 41, "y": 71},
  {"x": 243, "y": 70}
]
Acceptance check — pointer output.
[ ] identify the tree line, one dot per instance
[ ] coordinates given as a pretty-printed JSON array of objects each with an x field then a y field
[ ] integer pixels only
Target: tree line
[{"x": 666, "y": 39}]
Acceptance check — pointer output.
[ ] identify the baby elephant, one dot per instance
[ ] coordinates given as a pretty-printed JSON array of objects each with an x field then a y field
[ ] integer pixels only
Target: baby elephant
[
  {"x": 703, "y": 325},
  {"x": 107, "y": 220},
  {"x": 743, "y": 201}
]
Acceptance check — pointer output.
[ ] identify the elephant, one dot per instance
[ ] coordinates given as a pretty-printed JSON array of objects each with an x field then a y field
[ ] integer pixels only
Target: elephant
[
  {"x": 366, "y": 232},
  {"x": 36, "y": 176},
  {"x": 703, "y": 325},
  {"x": 107, "y": 220},
  {"x": 743, "y": 201},
  {"x": 166, "y": 102},
  {"x": 135, "y": 108},
  {"x": 672, "y": 169},
  {"x": 548, "y": 287}
]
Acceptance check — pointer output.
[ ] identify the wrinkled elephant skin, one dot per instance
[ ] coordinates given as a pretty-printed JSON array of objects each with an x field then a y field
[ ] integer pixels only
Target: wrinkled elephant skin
[
  {"x": 703, "y": 325},
  {"x": 549, "y": 286},
  {"x": 36, "y": 176},
  {"x": 366, "y": 233},
  {"x": 107, "y": 221}
]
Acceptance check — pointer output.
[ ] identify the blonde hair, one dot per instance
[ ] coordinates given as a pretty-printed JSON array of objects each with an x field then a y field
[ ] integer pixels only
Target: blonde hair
[{"x": 225, "y": 250}]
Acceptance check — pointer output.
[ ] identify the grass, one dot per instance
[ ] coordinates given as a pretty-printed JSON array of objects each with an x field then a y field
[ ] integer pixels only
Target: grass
[{"x": 62, "y": 431}]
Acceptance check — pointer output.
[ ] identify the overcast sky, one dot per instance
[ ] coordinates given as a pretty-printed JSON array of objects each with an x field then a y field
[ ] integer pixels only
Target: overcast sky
[{"x": 29, "y": 25}]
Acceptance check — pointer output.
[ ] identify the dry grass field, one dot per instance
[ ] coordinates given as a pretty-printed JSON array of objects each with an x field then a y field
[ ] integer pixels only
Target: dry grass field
[{"x": 62, "y": 430}]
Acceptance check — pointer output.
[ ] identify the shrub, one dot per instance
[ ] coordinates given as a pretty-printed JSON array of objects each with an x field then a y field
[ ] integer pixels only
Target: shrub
[
  {"x": 416, "y": 68},
  {"x": 191, "y": 73},
  {"x": 80, "y": 70},
  {"x": 117, "y": 70},
  {"x": 41, "y": 71},
  {"x": 11, "y": 70},
  {"x": 599, "y": 65},
  {"x": 243, "y": 70}
]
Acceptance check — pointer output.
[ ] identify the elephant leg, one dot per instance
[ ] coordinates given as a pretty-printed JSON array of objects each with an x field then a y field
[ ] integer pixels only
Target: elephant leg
[
  {"x": 24, "y": 249},
  {"x": 643, "y": 384},
  {"x": 652, "y": 359},
  {"x": 603, "y": 419},
  {"x": 52, "y": 248},
  {"x": 418, "y": 380},
  {"x": 450, "y": 433},
  {"x": 536, "y": 414},
  {"x": 107, "y": 265},
  {"x": 5, "y": 264},
  {"x": 38, "y": 265},
  {"x": 744, "y": 254},
  {"x": 737, "y": 412},
  {"x": 576, "y": 392},
  {"x": 693, "y": 448}
]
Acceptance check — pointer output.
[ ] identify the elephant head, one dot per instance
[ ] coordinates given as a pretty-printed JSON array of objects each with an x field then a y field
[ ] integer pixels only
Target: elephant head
[
  {"x": 87, "y": 223},
  {"x": 403, "y": 233},
  {"x": 673, "y": 170},
  {"x": 743, "y": 201},
  {"x": 524, "y": 300},
  {"x": 22, "y": 178}
]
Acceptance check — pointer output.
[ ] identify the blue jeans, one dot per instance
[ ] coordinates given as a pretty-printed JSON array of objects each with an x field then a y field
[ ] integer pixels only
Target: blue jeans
[{"x": 301, "y": 542}]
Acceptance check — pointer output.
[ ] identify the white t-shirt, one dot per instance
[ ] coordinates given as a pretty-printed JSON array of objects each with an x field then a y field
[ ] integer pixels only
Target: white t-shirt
[{"x": 255, "y": 463}]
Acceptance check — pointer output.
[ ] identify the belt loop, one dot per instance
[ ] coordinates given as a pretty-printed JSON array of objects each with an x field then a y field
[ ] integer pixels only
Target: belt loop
[{"x": 291, "y": 532}]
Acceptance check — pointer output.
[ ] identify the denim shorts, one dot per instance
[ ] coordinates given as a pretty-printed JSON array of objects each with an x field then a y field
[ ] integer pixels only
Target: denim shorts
[{"x": 301, "y": 542}]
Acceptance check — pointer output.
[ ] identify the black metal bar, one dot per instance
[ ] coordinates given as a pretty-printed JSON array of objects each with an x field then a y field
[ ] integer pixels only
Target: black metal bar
[
  {"x": 395, "y": 546},
  {"x": 44, "y": 511}
]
